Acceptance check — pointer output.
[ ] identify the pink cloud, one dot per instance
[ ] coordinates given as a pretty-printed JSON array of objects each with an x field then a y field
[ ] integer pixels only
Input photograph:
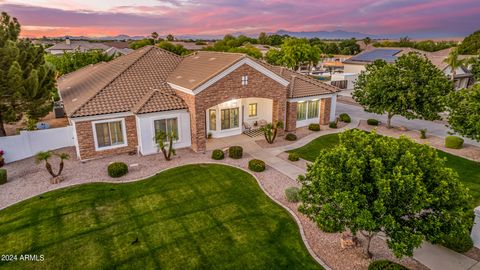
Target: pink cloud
[{"x": 435, "y": 17}]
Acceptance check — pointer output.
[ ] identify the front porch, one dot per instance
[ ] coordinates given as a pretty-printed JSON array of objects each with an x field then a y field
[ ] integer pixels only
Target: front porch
[{"x": 236, "y": 116}]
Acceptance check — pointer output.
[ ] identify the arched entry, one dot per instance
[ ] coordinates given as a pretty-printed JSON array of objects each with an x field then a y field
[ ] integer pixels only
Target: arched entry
[{"x": 237, "y": 115}]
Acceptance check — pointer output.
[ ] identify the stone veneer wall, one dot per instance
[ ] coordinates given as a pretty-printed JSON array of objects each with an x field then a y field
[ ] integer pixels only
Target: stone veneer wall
[
  {"x": 291, "y": 123},
  {"x": 86, "y": 141},
  {"x": 325, "y": 108}
]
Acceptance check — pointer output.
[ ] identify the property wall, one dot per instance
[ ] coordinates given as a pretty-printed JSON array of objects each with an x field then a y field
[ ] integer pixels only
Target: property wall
[
  {"x": 86, "y": 141},
  {"x": 146, "y": 130},
  {"x": 29, "y": 143},
  {"x": 352, "y": 68},
  {"x": 229, "y": 88},
  {"x": 349, "y": 77}
]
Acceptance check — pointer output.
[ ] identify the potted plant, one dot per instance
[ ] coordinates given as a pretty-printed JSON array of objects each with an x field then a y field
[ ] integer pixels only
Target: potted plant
[{"x": 2, "y": 159}]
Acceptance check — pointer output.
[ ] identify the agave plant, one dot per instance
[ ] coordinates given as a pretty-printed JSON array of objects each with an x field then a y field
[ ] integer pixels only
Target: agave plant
[{"x": 45, "y": 156}]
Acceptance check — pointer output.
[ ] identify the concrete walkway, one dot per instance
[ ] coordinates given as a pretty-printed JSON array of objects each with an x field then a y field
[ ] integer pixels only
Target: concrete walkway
[{"x": 437, "y": 257}]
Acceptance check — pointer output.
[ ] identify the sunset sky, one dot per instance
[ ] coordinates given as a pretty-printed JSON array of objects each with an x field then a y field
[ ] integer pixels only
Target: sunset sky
[{"x": 447, "y": 18}]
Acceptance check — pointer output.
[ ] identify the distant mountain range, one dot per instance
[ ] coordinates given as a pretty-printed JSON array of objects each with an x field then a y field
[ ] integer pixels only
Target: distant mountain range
[{"x": 337, "y": 34}]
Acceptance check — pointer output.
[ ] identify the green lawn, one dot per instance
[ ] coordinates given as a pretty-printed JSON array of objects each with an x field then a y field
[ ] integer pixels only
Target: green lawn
[
  {"x": 469, "y": 171},
  {"x": 190, "y": 217}
]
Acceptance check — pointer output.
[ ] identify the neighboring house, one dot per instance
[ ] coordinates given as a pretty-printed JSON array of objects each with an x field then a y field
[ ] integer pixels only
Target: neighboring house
[
  {"x": 356, "y": 64},
  {"x": 119, "y": 106},
  {"x": 117, "y": 51},
  {"x": 75, "y": 46}
]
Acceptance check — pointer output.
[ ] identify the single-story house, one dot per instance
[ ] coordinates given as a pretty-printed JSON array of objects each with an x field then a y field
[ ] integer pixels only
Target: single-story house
[
  {"x": 75, "y": 46},
  {"x": 119, "y": 106},
  {"x": 356, "y": 64}
]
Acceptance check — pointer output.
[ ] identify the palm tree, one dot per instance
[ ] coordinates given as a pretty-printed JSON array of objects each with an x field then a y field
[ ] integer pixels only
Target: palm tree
[
  {"x": 45, "y": 156},
  {"x": 454, "y": 62}
]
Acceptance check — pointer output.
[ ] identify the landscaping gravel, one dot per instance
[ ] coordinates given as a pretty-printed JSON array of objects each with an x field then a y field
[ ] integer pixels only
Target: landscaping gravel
[{"x": 27, "y": 179}]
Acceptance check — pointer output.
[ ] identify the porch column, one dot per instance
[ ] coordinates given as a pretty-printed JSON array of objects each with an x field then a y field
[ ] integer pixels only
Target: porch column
[
  {"x": 291, "y": 121},
  {"x": 325, "y": 108},
  {"x": 278, "y": 114}
]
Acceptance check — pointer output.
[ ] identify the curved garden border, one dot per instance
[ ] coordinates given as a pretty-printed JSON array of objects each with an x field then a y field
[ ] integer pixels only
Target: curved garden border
[{"x": 295, "y": 217}]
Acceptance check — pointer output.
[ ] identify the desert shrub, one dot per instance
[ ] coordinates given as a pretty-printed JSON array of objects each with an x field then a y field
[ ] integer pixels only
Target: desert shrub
[
  {"x": 235, "y": 152},
  {"x": 453, "y": 142},
  {"x": 372, "y": 122},
  {"x": 256, "y": 165},
  {"x": 292, "y": 194},
  {"x": 314, "y": 127},
  {"x": 458, "y": 242},
  {"x": 3, "y": 176},
  {"x": 293, "y": 157},
  {"x": 117, "y": 169},
  {"x": 218, "y": 154},
  {"x": 290, "y": 137},
  {"x": 423, "y": 133},
  {"x": 385, "y": 265},
  {"x": 345, "y": 118},
  {"x": 332, "y": 124}
]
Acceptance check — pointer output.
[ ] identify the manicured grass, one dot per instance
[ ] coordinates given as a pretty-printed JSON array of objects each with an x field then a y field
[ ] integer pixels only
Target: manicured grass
[
  {"x": 469, "y": 171},
  {"x": 190, "y": 217}
]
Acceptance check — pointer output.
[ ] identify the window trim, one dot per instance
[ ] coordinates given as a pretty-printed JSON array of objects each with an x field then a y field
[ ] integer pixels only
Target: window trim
[
  {"x": 256, "y": 109},
  {"x": 124, "y": 132},
  {"x": 230, "y": 109},
  {"x": 245, "y": 80},
  {"x": 166, "y": 117}
]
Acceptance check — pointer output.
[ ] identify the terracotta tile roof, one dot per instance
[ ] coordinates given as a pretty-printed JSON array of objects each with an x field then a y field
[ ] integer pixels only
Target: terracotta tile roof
[
  {"x": 79, "y": 45},
  {"x": 159, "y": 100},
  {"x": 201, "y": 66},
  {"x": 117, "y": 86}
]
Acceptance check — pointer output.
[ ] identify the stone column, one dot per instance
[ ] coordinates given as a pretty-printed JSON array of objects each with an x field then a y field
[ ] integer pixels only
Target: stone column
[
  {"x": 325, "y": 107},
  {"x": 291, "y": 121}
]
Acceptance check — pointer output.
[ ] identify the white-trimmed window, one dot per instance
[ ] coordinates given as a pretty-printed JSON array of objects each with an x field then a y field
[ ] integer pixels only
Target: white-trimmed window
[
  {"x": 313, "y": 108},
  {"x": 167, "y": 126},
  {"x": 252, "y": 109},
  {"x": 212, "y": 118},
  {"x": 301, "y": 110},
  {"x": 229, "y": 118},
  {"x": 109, "y": 134},
  {"x": 245, "y": 80}
]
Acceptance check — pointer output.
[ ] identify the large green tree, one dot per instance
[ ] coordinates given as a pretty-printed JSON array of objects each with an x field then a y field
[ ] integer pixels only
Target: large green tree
[
  {"x": 454, "y": 62},
  {"x": 240, "y": 44},
  {"x": 137, "y": 44},
  {"x": 371, "y": 184},
  {"x": 411, "y": 87},
  {"x": 464, "y": 112},
  {"x": 69, "y": 62},
  {"x": 294, "y": 53},
  {"x": 471, "y": 44},
  {"x": 176, "y": 49},
  {"x": 26, "y": 81}
]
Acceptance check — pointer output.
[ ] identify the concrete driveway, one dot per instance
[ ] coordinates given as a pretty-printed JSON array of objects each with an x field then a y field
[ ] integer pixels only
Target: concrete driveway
[{"x": 434, "y": 128}]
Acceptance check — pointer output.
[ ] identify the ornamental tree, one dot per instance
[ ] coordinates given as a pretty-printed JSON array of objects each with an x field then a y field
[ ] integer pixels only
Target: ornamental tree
[
  {"x": 371, "y": 184},
  {"x": 411, "y": 87},
  {"x": 464, "y": 112},
  {"x": 26, "y": 81}
]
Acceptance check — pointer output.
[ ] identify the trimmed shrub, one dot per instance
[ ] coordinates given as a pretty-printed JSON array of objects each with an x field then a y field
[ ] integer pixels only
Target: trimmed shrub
[
  {"x": 385, "y": 265},
  {"x": 218, "y": 154},
  {"x": 293, "y": 157},
  {"x": 290, "y": 137},
  {"x": 314, "y": 127},
  {"x": 256, "y": 165},
  {"x": 292, "y": 194},
  {"x": 332, "y": 125},
  {"x": 3, "y": 176},
  {"x": 460, "y": 242},
  {"x": 453, "y": 142},
  {"x": 235, "y": 152},
  {"x": 372, "y": 122},
  {"x": 345, "y": 118},
  {"x": 423, "y": 133},
  {"x": 117, "y": 169}
]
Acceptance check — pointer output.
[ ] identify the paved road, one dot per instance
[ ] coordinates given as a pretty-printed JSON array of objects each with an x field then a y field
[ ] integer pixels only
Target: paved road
[{"x": 437, "y": 129}]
